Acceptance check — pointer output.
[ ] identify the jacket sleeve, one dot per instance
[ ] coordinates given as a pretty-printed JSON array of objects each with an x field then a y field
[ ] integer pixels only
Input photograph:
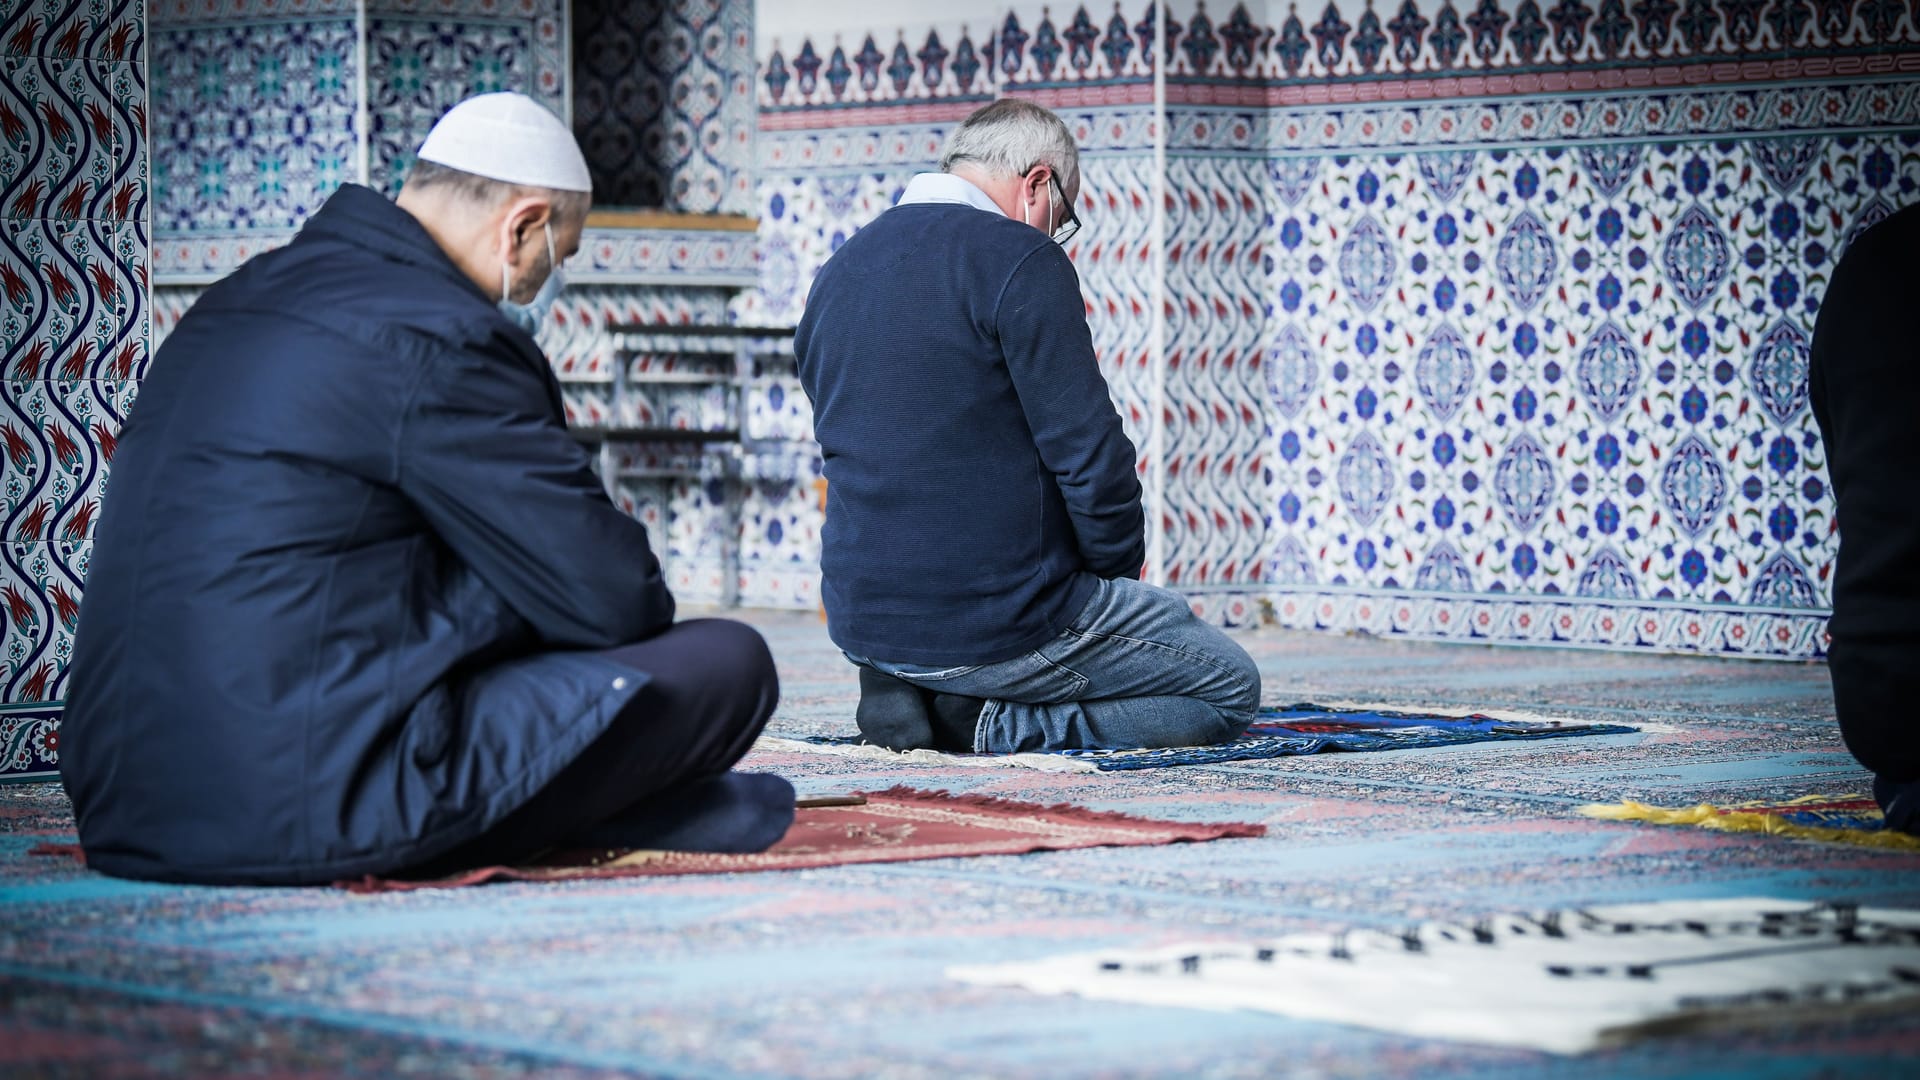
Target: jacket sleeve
[
  {"x": 490, "y": 464},
  {"x": 1049, "y": 352}
]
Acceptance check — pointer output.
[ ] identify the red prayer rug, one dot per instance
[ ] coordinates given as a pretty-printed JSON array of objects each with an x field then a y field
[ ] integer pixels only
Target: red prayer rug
[{"x": 895, "y": 825}]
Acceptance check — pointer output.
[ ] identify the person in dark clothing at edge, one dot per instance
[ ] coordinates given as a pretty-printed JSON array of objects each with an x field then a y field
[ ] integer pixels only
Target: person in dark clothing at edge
[
  {"x": 357, "y": 604},
  {"x": 984, "y": 533},
  {"x": 1865, "y": 365}
]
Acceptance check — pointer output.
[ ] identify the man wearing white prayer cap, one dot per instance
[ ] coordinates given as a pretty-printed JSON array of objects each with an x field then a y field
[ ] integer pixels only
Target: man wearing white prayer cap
[{"x": 357, "y": 603}]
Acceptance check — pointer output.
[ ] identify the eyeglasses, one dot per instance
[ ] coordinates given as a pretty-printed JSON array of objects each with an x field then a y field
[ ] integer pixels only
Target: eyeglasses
[{"x": 1070, "y": 226}]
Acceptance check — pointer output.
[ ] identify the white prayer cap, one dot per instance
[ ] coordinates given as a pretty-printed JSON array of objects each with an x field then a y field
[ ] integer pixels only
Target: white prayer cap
[{"x": 508, "y": 137}]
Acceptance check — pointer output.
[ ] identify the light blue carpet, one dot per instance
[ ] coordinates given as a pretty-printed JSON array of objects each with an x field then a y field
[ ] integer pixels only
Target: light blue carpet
[{"x": 837, "y": 973}]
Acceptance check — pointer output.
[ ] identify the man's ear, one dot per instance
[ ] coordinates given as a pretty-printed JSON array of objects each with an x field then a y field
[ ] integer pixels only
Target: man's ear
[
  {"x": 524, "y": 218},
  {"x": 1035, "y": 182}
]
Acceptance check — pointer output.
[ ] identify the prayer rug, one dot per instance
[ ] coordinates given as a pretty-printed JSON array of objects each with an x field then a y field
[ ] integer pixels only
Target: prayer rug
[
  {"x": 1837, "y": 819},
  {"x": 1565, "y": 981},
  {"x": 896, "y": 825},
  {"x": 1279, "y": 732}
]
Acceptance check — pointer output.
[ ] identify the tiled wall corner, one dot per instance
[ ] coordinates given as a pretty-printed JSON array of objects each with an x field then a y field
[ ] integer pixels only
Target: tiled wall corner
[
  {"x": 686, "y": 66},
  {"x": 73, "y": 341}
]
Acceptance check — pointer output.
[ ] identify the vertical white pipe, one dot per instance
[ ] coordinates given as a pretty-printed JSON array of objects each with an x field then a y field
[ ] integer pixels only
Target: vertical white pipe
[{"x": 1157, "y": 304}]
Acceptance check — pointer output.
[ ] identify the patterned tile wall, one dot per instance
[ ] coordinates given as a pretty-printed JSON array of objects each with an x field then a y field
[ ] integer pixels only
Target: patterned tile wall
[
  {"x": 255, "y": 122},
  {"x": 73, "y": 267},
  {"x": 257, "y": 105},
  {"x": 1565, "y": 372},
  {"x": 1485, "y": 323},
  {"x": 1215, "y": 477},
  {"x": 1344, "y": 50},
  {"x": 663, "y": 102},
  {"x": 425, "y": 56}
]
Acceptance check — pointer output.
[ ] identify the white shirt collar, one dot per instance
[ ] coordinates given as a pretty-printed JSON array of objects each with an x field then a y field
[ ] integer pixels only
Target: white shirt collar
[{"x": 939, "y": 187}]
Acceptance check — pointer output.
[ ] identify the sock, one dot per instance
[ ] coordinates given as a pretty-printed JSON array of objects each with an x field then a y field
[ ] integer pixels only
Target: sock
[
  {"x": 893, "y": 712},
  {"x": 1899, "y": 802},
  {"x": 955, "y": 720}
]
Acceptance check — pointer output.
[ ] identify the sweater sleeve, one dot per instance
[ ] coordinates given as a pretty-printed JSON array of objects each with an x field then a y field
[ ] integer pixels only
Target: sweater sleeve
[
  {"x": 1043, "y": 333},
  {"x": 507, "y": 488}
]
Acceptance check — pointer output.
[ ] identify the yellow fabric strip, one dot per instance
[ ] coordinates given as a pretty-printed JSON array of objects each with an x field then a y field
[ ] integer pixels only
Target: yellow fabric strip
[{"x": 1741, "y": 817}]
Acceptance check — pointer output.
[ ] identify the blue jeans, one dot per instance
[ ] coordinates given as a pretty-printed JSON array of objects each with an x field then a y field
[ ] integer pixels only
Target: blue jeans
[{"x": 1135, "y": 668}]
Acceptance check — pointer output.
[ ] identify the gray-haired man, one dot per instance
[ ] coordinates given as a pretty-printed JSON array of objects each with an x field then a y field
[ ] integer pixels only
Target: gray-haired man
[{"x": 984, "y": 534}]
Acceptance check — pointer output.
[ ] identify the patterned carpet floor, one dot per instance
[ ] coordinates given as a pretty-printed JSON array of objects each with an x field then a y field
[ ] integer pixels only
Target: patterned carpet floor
[{"x": 839, "y": 972}]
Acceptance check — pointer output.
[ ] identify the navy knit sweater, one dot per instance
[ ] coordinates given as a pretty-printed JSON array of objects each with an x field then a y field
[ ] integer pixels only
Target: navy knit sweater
[{"x": 978, "y": 478}]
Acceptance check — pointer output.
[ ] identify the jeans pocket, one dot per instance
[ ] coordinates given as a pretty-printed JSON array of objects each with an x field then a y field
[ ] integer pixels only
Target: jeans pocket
[
  {"x": 1029, "y": 677},
  {"x": 929, "y": 675}
]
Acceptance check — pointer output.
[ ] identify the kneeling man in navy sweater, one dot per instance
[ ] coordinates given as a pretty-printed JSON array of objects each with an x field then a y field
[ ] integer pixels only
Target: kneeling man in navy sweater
[{"x": 984, "y": 537}]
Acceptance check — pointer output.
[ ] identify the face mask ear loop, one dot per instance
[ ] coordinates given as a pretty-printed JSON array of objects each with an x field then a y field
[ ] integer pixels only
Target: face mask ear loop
[{"x": 506, "y": 277}]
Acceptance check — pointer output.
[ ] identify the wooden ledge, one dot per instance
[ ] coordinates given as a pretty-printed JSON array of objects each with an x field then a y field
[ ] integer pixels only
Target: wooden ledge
[{"x": 667, "y": 219}]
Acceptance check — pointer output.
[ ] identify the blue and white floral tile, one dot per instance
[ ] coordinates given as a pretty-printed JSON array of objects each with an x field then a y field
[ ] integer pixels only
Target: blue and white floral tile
[
  {"x": 780, "y": 544},
  {"x": 645, "y": 500},
  {"x": 1215, "y": 433},
  {"x": 588, "y": 405},
  {"x": 702, "y": 540},
  {"x": 418, "y": 68},
  {"x": 578, "y": 343},
  {"x": 255, "y": 124},
  {"x": 130, "y": 184},
  {"x": 58, "y": 155},
  {"x": 69, "y": 30},
  {"x": 65, "y": 305},
  {"x": 58, "y": 439},
  {"x": 686, "y": 71},
  {"x": 1634, "y": 379},
  {"x": 30, "y": 740},
  {"x": 778, "y": 409},
  {"x": 803, "y": 220},
  {"x": 170, "y": 303},
  {"x": 40, "y": 591}
]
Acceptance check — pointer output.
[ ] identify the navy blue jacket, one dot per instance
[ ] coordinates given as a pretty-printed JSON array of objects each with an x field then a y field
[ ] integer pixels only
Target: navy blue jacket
[
  {"x": 978, "y": 480},
  {"x": 345, "y": 550}
]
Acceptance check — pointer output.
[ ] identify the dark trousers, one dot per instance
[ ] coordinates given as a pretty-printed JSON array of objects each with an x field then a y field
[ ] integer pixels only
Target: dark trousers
[
  {"x": 1863, "y": 379},
  {"x": 659, "y": 776}
]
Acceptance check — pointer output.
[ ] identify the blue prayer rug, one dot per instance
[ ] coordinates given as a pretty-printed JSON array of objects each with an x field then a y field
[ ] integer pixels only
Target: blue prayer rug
[{"x": 1312, "y": 729}]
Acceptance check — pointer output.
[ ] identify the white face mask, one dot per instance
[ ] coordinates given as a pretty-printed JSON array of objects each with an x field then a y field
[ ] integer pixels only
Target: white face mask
[{"x": 531, "y": 315}]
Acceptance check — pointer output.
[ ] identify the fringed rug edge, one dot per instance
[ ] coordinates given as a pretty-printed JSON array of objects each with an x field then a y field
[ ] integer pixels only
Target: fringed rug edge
[{"x": 1064, "y": 811}]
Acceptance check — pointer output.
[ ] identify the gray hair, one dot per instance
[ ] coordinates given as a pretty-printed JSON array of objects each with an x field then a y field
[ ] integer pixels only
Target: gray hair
[
  {"x": 1010, "y": 137},
  {"x": 486, "y": 192}
]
